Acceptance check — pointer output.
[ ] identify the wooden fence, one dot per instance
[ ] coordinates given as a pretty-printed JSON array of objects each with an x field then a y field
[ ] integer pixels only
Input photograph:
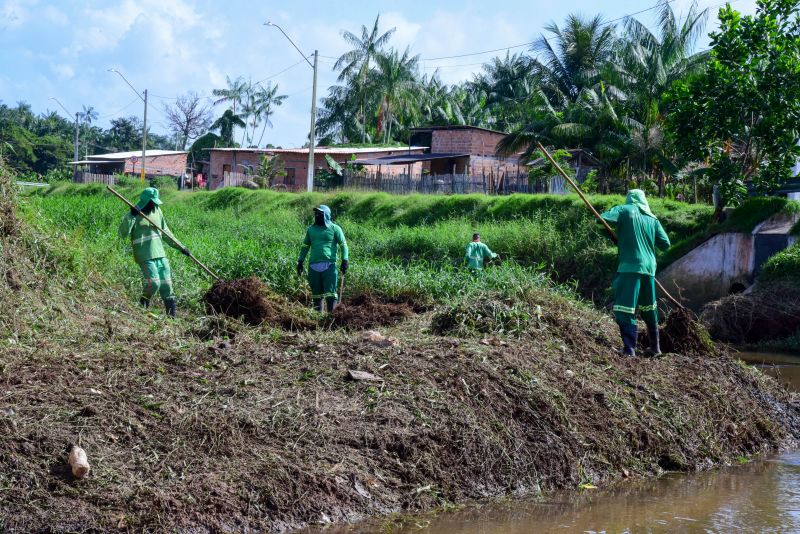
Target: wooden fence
[
  {"x": 446, "y": 184},
  {"x": 92, "y": 178}
]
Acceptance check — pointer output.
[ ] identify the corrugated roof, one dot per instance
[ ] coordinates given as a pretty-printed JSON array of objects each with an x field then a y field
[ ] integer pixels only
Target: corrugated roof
[
  {"x": 404, "y": 159},
  {"x": 137, "y": 153},
  {"x": 318, "y": 150},
  {"x": 455, "y": 127}
]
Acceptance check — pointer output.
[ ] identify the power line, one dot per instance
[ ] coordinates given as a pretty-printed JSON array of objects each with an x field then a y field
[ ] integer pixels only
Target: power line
[{"x": 129, "y": 104}]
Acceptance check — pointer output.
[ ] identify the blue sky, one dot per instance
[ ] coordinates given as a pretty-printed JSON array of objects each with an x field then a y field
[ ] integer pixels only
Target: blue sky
[{"x": 65, "y": 48}]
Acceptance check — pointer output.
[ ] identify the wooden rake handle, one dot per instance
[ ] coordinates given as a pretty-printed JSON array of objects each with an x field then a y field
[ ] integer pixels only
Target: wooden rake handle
[
  {"x": 165, "y": 234},
  {"x": 610, "y": 230}
]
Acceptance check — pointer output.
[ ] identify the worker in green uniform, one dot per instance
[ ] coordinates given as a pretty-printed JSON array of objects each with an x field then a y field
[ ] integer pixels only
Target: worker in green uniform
[
  {"x": 148, "y": 248},
  {"x": 322, "y": 240},
  {"x": 639, "y": 233},
  {"x": 477, "y": 252}
]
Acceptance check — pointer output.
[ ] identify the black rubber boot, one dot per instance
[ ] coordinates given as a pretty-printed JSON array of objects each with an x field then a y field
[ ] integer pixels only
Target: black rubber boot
[
  {"x": 144, "y": 302},
  {"x": 319, "y": 305},
  {"x": 655, "y": 345},
  {"x": 332, "y": 302},
  {"x": 171, "y": 305},
  {"x": 629, "y": 333}
]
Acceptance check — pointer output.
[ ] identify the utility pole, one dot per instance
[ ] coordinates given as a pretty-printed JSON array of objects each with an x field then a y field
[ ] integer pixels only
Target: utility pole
[
  {"x": 144, "y": 124},
  {"x": 144, "y": 136},
  {"x": 77, "y": 126},
  {"x": 311, "y": 133},
  {"x": 313, "y": 130}
]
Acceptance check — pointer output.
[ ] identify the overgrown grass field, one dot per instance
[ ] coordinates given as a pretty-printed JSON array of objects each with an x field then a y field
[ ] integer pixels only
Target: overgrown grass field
[{"x": 410, "y": 245}]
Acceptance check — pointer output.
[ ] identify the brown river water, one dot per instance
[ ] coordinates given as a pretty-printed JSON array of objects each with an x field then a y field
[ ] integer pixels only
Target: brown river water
[{"x": 761, "y": 496}]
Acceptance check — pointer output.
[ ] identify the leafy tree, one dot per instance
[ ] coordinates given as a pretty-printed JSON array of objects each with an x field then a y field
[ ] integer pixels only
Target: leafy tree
[
  {"x": 198, "y": 152},
  {"x": 226, "y": 125},
  {"x": 742, "y": 112},
  {"x": 271, "y": 168}
]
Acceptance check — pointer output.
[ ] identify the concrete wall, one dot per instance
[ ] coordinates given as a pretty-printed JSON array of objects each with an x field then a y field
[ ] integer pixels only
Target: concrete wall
[{"x": 709, "y": 271}]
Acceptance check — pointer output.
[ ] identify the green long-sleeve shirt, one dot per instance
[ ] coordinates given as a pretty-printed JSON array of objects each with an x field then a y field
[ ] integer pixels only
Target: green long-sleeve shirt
[
  {"x": 146, "y": 241},
  {"x": 639, "y": 233},
  {"x": 476, "y": 253},
  {"x": 323, "y": 244}
]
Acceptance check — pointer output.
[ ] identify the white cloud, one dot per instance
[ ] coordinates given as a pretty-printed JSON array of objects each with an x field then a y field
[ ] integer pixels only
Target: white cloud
[
  {"x": 54, "y": 16},
  {"x": 63, "y": 70},
  {"x": 14, "y": 13}
]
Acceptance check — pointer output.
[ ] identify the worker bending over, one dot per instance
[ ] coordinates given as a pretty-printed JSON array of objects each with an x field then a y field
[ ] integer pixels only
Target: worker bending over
[
  {"x": 323, "y": 239},
  {"x": 639, "y": 233},
  {"x": 148, "y": 248},
  {"x": 477, "y": 253}
]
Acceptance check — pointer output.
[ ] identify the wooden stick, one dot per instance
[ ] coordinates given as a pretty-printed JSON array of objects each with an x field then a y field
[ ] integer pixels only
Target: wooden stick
[
  {"x": 610, "y": 230},
  {"x": 165, "y": 234}
]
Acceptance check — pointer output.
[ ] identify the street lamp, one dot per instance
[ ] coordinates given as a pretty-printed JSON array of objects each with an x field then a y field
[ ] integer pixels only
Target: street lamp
[
  {"x": 144, "y": 126},
  {"x": 310, "y": 176},
  {"x": 74, "y": 165}
]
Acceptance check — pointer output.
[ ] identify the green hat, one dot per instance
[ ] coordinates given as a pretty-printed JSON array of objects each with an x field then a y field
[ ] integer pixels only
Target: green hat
[
  {"x": 638, "y": 199},
  {"x": 151, "y": 193}
]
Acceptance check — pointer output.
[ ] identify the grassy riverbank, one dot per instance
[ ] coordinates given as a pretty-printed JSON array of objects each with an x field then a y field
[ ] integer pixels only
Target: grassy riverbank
[{"x": 208, "y": 424}]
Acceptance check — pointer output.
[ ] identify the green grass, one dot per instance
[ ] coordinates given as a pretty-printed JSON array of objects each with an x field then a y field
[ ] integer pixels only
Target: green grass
[
  {"x": 783, "y": 266},
  {"x": 400, "y": 245}
]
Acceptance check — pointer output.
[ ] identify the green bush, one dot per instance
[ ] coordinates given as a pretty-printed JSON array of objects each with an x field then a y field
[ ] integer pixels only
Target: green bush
[{"x": 784, "y": 265}]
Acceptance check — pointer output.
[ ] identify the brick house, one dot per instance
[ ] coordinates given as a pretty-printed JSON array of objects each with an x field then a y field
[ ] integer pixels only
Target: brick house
[
  {"x": 453, "y": 150},
  {"x": 228, "y": 166},
  {"x": 158, "y": 163}
]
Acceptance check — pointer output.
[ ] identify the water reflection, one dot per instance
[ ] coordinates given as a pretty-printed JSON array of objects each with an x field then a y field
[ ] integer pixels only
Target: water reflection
[{"x": 762, "y": 497}]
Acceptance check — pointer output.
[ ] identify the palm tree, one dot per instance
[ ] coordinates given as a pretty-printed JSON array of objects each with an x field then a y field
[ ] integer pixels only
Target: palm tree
[
  {"x": 646, "y": 67},
  {"x": 438, "y": 102},
  {"x": 508, "y": 85},
  {"x": 396, "y": 84},
  {"x": 355, "y": 64},
  {"x": 581, "y": 49},
  {"x": 233, "y": 93},
  {"x": 87, "y": 116},
  {"x": 266, "y": 99},
  {"x": 226, "y": 125}
]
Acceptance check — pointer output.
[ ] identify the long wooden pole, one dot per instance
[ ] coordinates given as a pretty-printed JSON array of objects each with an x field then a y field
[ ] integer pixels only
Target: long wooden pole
[
  {"x": 165, "y": 234},
  {"x": 610, "y": 230}
]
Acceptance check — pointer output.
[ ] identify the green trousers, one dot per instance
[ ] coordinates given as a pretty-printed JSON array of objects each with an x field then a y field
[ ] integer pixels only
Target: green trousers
[
  {"x": 157, "y": 279},
  {"x": 325, "y": 284},
  {"x": 632, "y": 290}
]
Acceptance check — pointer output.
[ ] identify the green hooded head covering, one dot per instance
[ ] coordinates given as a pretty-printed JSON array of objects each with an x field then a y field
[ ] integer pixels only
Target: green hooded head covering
[
  {"x": 326, "y": 212},
  {"x": 151, "y": 193},
  {"x": 638, "y": 199}
]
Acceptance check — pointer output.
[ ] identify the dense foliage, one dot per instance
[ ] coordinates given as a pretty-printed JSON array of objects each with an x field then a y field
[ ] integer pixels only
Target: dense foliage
[
  {"x": 742, "y": 111},
  {"x": 45, "y": 143},
  {"x": 586, "y": 84}
]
